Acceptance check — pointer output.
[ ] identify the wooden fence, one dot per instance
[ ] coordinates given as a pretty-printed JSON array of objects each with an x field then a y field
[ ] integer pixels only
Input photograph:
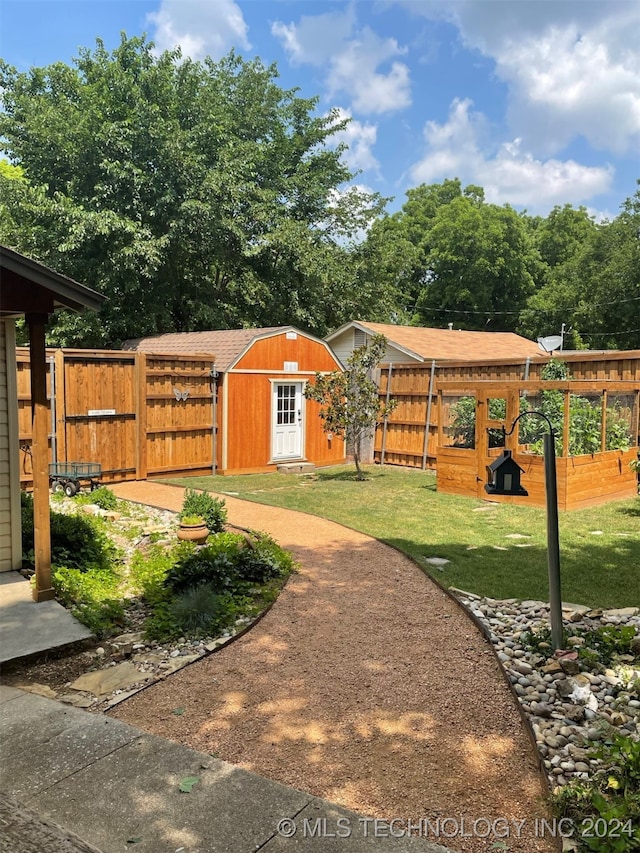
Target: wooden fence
[
  {"x": 137, "y": 415},
  {"x": 407, "y": 440}
]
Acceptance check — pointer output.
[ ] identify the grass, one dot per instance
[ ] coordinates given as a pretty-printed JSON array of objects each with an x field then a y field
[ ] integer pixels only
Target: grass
[{"x": 402, "y": 507}]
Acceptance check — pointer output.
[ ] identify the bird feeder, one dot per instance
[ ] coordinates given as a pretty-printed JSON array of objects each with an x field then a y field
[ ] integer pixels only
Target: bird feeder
[{"x": 503, "y": 476}]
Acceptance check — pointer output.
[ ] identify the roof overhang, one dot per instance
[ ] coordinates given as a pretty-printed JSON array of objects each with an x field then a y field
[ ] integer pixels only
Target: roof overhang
[
  {"x": 29, "y": 287},
  {"x": 355, "y": 324}
]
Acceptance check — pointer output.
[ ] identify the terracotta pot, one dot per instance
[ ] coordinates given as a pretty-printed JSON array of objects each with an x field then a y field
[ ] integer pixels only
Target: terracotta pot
[{"x": 196, "y": 533}]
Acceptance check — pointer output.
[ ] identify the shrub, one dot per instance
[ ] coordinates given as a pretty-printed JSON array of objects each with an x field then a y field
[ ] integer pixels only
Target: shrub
[
  {"x": 200, "y": 609},
  {"x": 216, "y": 564},
  {"x": 79, "y": 542},
  {"x": 94, "y": 598},
  {"x": 606, "y": 810},
  {"x": 104, "y": 498},
  {"x": 264, "y": 559},
  {"x": 229, "y": 562},
  {"x": 201, "y": 504}
]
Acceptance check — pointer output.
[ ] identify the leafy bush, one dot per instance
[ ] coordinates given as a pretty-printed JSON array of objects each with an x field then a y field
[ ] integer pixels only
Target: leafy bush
[
  {"x": 264, "y": 559},
  {"x": 201, "y": 504},
  {"x": 229, "y": 562},
  {"x": 94, "y": 598},
  {"x": 602, "y": 645},
  {"x": 610, "y": 801},
  {"x": 216, "y": 564},
  {"x": 104, "y": 498},
  {"x": 77, "y": 541},
  {"x": 201, "y": 610},
  {"x": 148, "y": 570}
]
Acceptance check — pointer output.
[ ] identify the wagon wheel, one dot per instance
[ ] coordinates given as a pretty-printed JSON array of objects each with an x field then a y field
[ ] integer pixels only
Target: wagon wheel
[
  {"x": 57, "y": 487},
  {"x": 71, "y": 488}
]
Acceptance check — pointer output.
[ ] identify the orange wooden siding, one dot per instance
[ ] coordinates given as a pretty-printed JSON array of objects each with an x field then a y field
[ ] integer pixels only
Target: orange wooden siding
[
  {"x": 272, "y": 352},
  {"x": 249, "y": 424}
]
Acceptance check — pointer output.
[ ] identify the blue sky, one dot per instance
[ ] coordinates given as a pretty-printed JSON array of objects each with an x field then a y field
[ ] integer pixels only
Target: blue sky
[{"x": 538, "y": 101}]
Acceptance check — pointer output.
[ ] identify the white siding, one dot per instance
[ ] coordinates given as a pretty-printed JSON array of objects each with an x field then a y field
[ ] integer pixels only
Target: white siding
[
  {"x": 343, "y": 346},
  {"x": 10, "y": 547}
]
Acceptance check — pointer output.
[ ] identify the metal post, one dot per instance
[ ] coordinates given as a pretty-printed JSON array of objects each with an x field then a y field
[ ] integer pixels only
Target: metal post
[{"x": 553, "y": 539}]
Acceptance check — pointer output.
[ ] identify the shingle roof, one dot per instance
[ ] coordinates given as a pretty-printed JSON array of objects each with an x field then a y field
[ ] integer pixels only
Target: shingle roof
[
  {"x": 226, "y": 344},
  {"x": 452, "y": 345}
]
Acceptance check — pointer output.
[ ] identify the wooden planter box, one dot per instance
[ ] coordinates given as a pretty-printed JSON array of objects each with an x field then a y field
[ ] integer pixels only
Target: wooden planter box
[
  {"x": 585, "y": 480},
  {"x": 582, "y": 480}
]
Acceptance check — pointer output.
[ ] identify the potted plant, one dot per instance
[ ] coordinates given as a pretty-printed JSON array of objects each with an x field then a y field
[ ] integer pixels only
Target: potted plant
[{"x": 192, "y": 528}]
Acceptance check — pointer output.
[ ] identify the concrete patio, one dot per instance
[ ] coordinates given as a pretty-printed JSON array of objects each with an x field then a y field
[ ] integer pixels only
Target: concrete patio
[{"x": 27, "y": 627}]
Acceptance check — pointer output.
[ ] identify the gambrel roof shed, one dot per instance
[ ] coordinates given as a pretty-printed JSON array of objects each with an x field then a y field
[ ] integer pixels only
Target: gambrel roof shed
[{"x": 262, "y": 418}]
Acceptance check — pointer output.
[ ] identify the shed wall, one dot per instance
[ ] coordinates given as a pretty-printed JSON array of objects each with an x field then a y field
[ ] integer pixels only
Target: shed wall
[
  {"x": 248, "y": 424},
  {"x": 271, "y": 353}
]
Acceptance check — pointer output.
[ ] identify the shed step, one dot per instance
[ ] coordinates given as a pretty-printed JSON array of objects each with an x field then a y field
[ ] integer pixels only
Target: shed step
[{"x": 296, "y": 468}]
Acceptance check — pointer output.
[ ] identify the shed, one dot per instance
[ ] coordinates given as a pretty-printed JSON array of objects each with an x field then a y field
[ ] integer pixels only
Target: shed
[
  {"x": 29, "y": 288},
  {"x": 416, "y": 344},
  {"x": 262, "y": 419}
]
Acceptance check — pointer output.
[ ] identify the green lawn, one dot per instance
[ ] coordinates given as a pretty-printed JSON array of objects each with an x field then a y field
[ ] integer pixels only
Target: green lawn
[{"x": 402, "y": 507}]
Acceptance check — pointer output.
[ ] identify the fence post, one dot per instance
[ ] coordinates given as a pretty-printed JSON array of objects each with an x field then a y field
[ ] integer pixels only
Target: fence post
[
  {"x": 603, "y": 422},
  {"x": 566, "y": 423},
  {"x": 384, "y": 426},
  {"x": 428, "y": 421},
  {"x": 61, "y": 408},
  {"x": 141, "y": 415}
]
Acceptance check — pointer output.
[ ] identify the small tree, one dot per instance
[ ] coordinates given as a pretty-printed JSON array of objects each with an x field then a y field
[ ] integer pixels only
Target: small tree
[{"x": 350, "y": 405}]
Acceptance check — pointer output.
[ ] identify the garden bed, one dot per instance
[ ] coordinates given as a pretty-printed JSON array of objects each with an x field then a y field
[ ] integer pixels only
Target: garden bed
[{"x": 155, "y": 604}]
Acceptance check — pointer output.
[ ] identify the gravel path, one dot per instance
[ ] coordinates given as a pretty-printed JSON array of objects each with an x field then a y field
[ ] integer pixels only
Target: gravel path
[{"x": 364, "y": 684}]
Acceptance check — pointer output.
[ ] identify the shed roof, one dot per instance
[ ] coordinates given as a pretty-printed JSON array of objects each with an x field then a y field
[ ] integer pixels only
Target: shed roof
[
  {"x": 225, "y": 344},
  {"x": 28, "y": 285},
  {"x": 445, "y": 344}
]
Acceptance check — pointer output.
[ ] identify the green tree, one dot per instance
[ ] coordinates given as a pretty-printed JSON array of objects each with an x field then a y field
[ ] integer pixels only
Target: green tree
[
  {"x": 481, "y": 260},
  {"x": 350, "y": 405},
  {"x": 194, "y": 195},
  {"x": 591, "y": 281},
  {"x": 448, "y": 251}
]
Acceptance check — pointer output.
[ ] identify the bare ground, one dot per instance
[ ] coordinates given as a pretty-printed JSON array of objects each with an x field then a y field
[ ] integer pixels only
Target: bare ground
[{"x": 364, "y": 684}]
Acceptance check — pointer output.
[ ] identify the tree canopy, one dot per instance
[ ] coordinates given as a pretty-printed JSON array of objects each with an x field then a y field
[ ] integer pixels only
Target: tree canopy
[
  {"x": 202, "y": 195},
  {"x": 194, "y": 195}
]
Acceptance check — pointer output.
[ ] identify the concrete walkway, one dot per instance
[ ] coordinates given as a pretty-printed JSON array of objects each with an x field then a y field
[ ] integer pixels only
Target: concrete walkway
[
  {"x": 27, "y": 627},
  {"x": 115, "y": 789}
]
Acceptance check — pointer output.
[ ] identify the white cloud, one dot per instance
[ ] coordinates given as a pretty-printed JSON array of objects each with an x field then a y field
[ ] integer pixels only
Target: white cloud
[
  {"x": 509, "y": 174},
  {"x": 572, "y": 68},
  {"x": 314, "y": 38},
  {"x": 360, "y": 137},
  {"x": 199, "y": 27},
  {"x": 352, "y": 59}
]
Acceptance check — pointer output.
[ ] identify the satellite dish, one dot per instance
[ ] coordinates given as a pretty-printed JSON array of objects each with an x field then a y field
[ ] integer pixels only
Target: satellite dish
[{"x": 550, "y": 343}]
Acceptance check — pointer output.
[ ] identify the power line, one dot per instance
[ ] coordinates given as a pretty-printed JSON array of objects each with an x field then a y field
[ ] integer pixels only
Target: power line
[
  {"x": 512, "y": 313},
  {"x": 615, "y": 334}
]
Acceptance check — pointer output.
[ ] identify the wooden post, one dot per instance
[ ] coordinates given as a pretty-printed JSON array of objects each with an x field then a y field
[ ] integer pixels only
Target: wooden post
[
  {"x": 427, "y": 425},
  {"x": 61, "y": 409},
  {"x": 566, "y": 424},
  {"x": 141, "y": 416},
  {"x": 43, "y": 590}
]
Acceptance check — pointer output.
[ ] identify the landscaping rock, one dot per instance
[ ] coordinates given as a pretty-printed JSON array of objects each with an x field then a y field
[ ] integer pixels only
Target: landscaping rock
[
  {"x": 105, "y": 681},
  {"x": 568, "y": 709}
]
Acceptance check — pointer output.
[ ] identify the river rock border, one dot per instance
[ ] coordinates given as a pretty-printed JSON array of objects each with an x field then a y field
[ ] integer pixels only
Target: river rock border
[{"x": 568, "y": 710}]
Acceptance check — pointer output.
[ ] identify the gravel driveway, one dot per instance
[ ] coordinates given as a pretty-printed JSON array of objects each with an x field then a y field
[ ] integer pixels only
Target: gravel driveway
[{"x": 364, "y": 684}]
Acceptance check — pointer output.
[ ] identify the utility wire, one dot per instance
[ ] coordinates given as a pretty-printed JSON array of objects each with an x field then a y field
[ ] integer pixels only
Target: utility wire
[{"x": 542, "y": 311}]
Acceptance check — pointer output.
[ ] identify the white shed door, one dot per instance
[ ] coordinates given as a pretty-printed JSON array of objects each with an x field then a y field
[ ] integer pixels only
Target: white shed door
[{"x": 287, "y": 414}]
